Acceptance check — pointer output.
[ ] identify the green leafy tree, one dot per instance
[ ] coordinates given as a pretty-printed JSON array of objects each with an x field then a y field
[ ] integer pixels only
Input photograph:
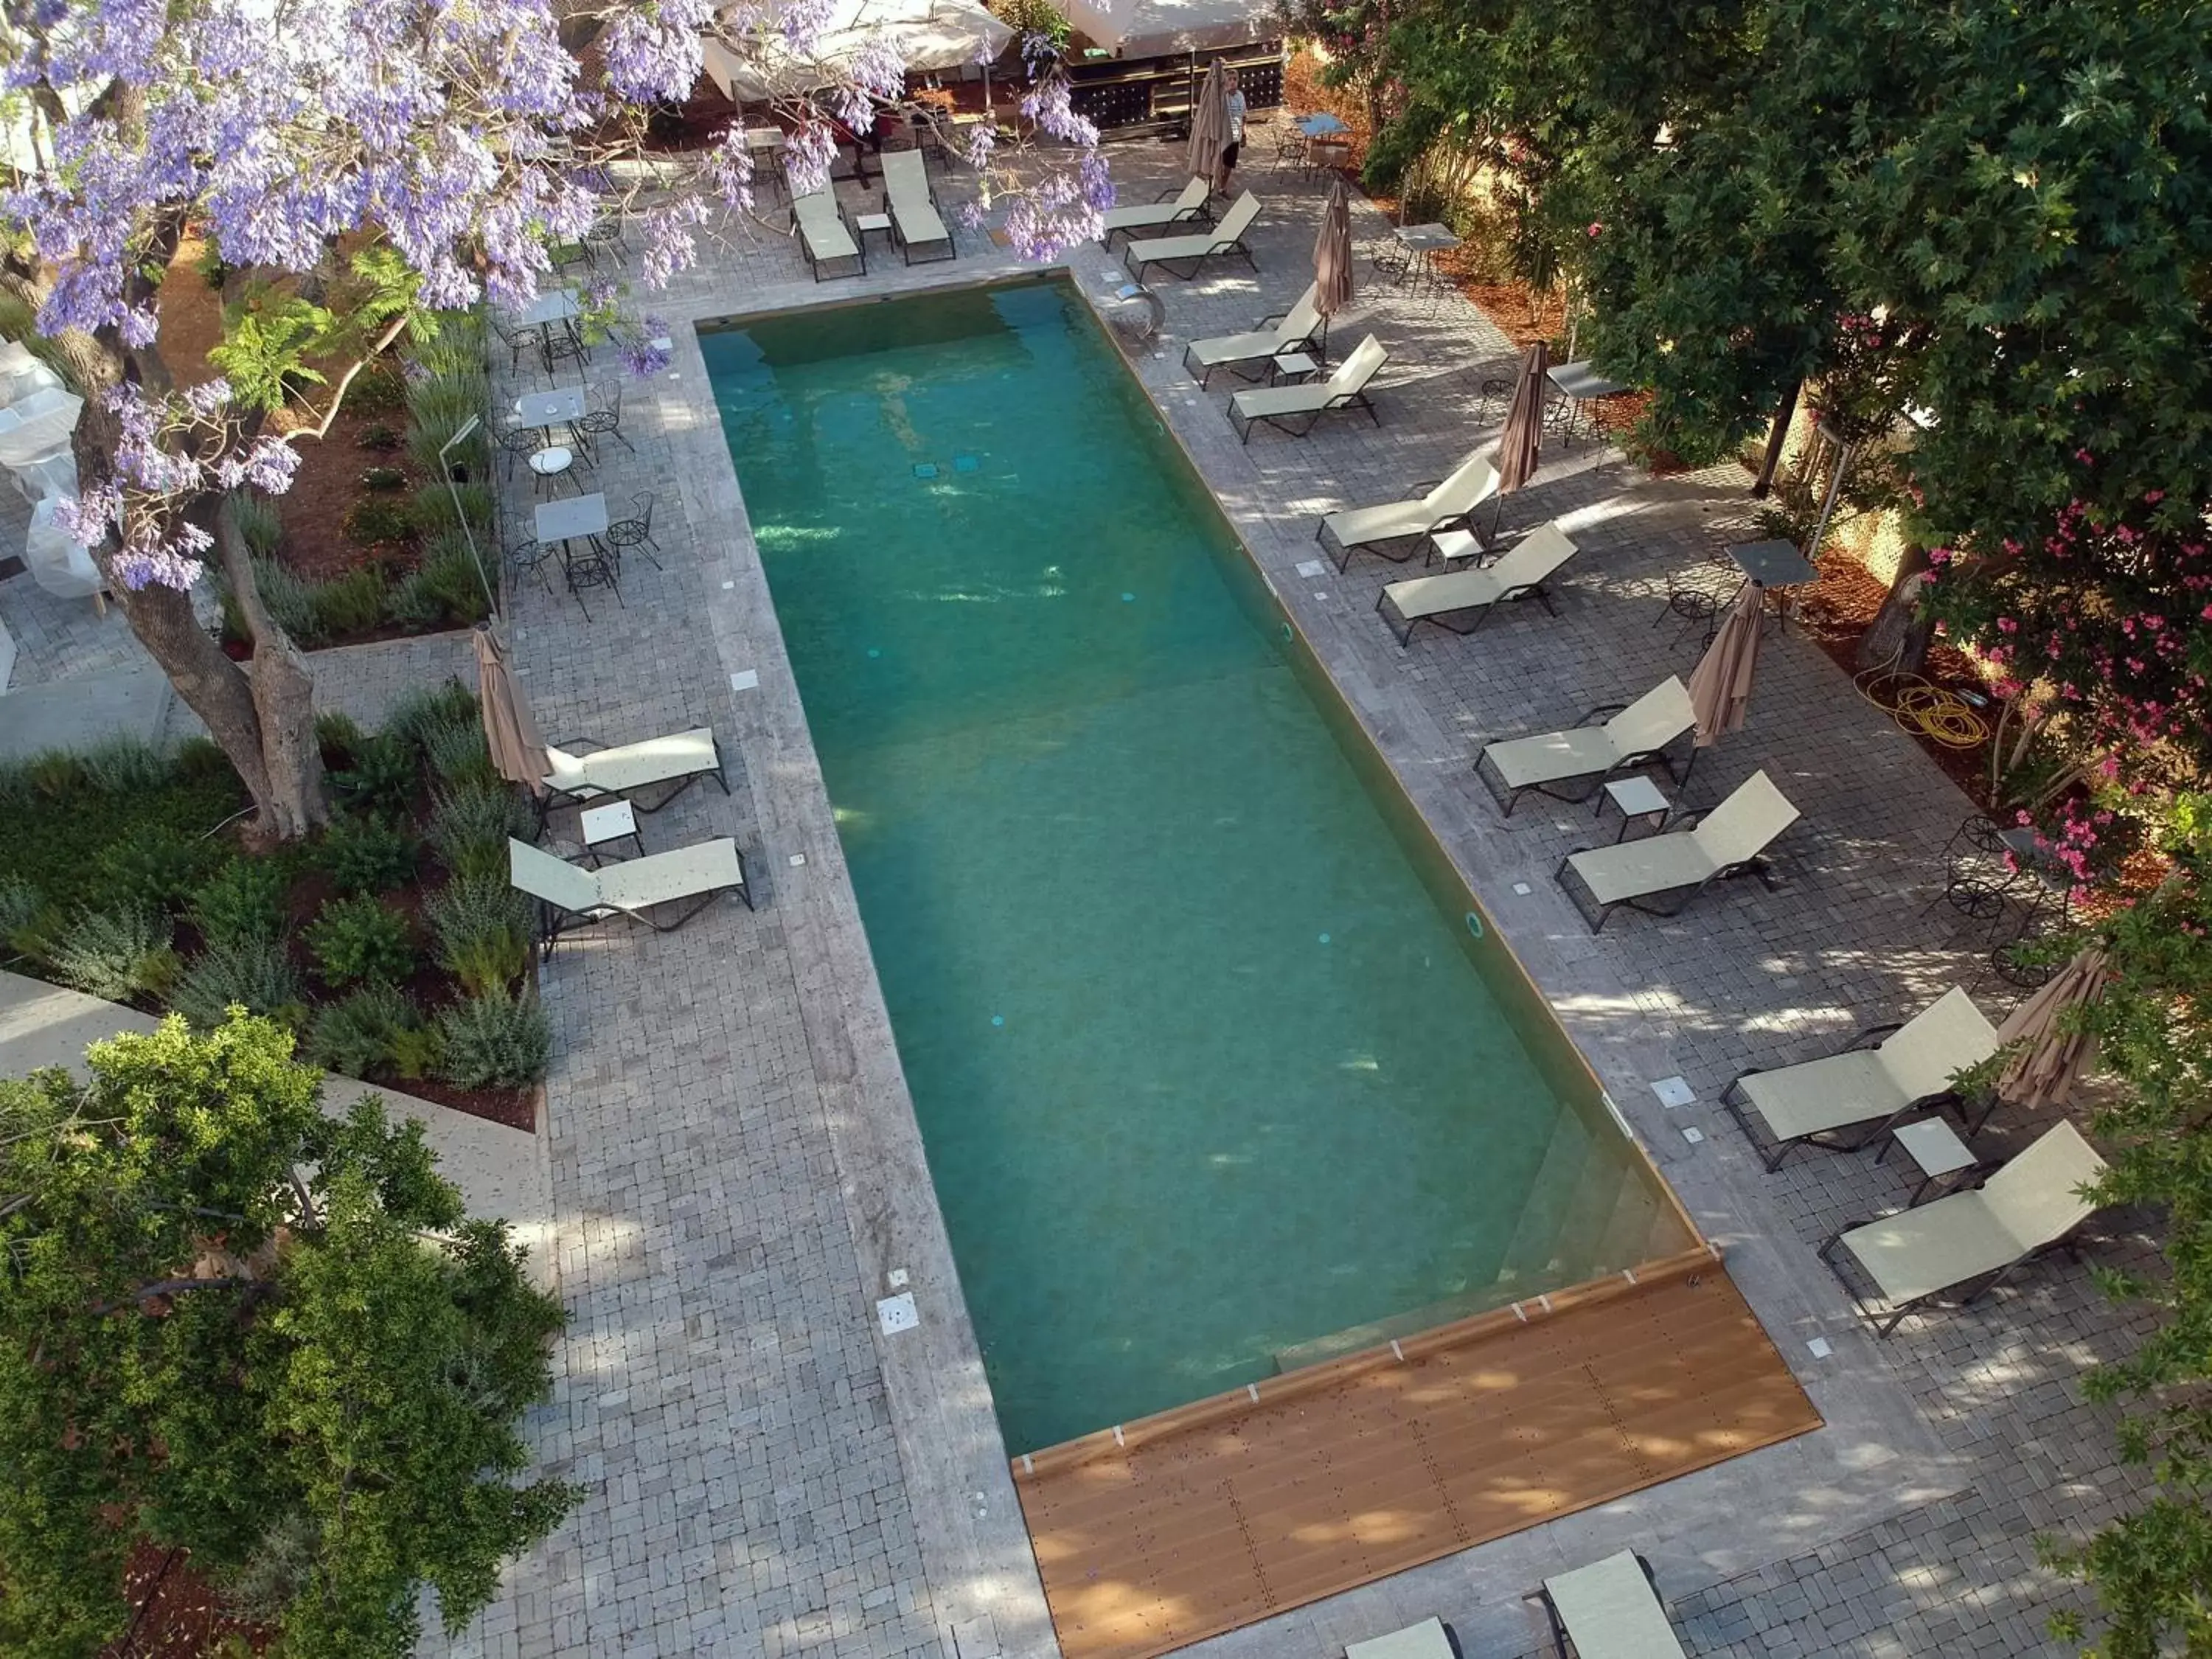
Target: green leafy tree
[
  {"x": 268, "y": 339},
  {"x": 235, "y": 1327}
]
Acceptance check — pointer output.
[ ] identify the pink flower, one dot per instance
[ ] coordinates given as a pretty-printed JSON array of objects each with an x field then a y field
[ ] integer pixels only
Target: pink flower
[{"x": 1595, "y": 228}]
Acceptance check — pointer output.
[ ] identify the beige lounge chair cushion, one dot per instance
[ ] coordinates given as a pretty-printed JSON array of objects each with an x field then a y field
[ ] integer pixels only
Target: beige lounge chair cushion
[
  {"x": 1833, "y": 1092},
  {"x": 2028, "y": 1204},
  {"x": 662, "y": 878},
  {"x": 815, "y": 214},
  {"x": 906, "y": 189},
  {"x": 1303, "y": 319},
  {"x": 634, "y": 765},
  {"x": 1610, "y": 1612},
  {"x": 1550, "y": 757},
  {"x": 1661, "y": 864},
  {"x": 1531, "y": 559},
  {"x": 1654, "y": 719},
  {"x": 1472, "y": 482},
  {"x": 533, "y": 871},
  {"x": 1351, "y": 376},
  {"x": 1140, "y": 215},
  {"x": 1425, "y": 1640},
  {"x": 1234, "y": 223}
]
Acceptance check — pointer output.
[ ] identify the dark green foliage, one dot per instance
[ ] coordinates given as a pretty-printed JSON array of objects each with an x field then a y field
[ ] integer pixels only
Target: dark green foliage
[
  {"x": 450, "y": 574},
  {"x": 360, "y": 939},
  {"x": 380, "y": 437},
  {"x": 243, "y": 902},
  {"x": 337, "y": 734},
  {"x": 387, "y": 1349},
  {"x": 367, "y": 855},
  {"x": 259, "y": 520},
  {"x": 482, "y": 928},
  {"x": 158, "y": 870},
  {"x": 62, "y": 828},
  {"x": 458, "y": 751},
  {"x": 449, "y": 702},
  {"x": 469, "y": 826},
  {"x": 115, "y": 954},
  {"x": 378, "y": 521},
  {"x": 496, "y": 1041},
  {"x": 370, "y": 1031},
  {"x": 382, "y": 777},
  {"x": 252, "y": 972},
  {"x": 439, "y": 508},
  {"x": 379, "y": 389},
  {"x": 349, "y": 605},
  {"x": 119, "y": 763},
  {"x": 382, "y": 477},
  {"x": 20, "y": 904}
]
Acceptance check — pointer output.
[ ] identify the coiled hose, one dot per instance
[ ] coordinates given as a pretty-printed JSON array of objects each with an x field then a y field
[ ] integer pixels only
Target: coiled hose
[{"x": 1923, "y": 710}]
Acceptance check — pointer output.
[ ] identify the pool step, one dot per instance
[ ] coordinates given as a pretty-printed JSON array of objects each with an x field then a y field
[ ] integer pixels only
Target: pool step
[{"x": 1535, "y": 1245}]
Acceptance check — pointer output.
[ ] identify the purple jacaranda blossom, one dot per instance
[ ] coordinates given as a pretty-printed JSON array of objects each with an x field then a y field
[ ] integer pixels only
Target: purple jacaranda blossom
[
  {"x": 655, "y": 53},
  {"x": 730, "y": 169},
  {"x": 803, "y": 22},
  {"x": 148, "y": 559},
  {"x": 646, "y": 352},
  {"x": 1048, "y": 106},
  {"x": 875, "y": 67},
  {"x": 808, "y": 155}
]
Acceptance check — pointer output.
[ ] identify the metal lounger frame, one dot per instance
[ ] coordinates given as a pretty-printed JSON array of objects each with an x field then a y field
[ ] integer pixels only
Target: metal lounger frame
[
  {"x": 1220, "y": 250},
  {"x": 860, "y": 254},
  {"x": 1420, "y": 538},
  {"x": 557, "y": 797},
  {"x": 1538, "y": 591},
  {"x": 1201, "y": 216},
  {"x": 554, "y": 924},
  {"x": 1756, "y": 864},
  {"x": 899, "y": 236},
  {"x": 1839, "y": 1140},
  {"x": 1203, "y": 374},
  {"x": 1892, "y": 1314},
  {"x": 1335, "y": 405},
  {"x": 1641, "y": 760}
]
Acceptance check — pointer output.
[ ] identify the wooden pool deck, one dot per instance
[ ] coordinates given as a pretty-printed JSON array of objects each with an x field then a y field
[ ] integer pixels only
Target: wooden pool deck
[{"x": 1222, "y": 1513}]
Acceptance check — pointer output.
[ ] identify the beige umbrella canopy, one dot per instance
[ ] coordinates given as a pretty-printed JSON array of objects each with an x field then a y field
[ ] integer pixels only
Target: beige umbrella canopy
[
  {"x": 1720, "y": 685},
  {"x": 518, "y": 748},
  {"x": 1209, "y": 124},
  {"x": 1523, "y": 437},
  {"x": 2043, "y": 1073},
  {"x": 1333, "y": 258}
]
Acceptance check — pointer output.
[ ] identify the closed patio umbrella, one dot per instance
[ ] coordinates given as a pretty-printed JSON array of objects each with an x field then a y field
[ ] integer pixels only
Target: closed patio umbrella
[
  {"x": 1524, "y": 427},
  {"x": 2044, "y": 1071},
  {"x": 1720, "y": 685},
  {"x": 518, "y": 748},
  {"x": 1333, "y": 259},
  {"x": 1209, "y": 124}
]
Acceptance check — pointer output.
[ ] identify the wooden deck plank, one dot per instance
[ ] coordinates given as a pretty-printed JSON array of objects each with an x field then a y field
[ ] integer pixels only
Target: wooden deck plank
[{"x": 1205, "y": 1528}]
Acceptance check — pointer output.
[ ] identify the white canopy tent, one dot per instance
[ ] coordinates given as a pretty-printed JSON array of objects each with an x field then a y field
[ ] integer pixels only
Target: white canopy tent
[
  {"x": 928, "y": 35},
  {"x": 1156, "y": 28}
]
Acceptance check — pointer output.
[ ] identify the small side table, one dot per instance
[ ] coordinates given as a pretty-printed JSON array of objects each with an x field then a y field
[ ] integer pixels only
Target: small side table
[
  {"x": 1635, "y": 798},
  {"x": 1291, "y": 367},
  {"x": 865, "y": 222},
  {"x": 1936, "y": 1150},
  {"x": 1449, "y": 545},
  {"x": 603, "y": 825}
]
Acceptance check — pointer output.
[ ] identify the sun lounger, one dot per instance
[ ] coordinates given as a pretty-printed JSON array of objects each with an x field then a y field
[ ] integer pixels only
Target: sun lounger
[
  {"x": 1448, "y": 505},
  {"x": 1586, "y": 757},
  {"x": 1294, "y": 331},
  {"x": 1278, "y": 406},
  {"x": 1225, "y": 239},
  {"x": 1519, "y": 574},
  {"x": 1727, "y": 842},
  {"x": 640, "y": 888},
  {"x": 1189, "y": 207},
  {"x": 1610, "y": 1609},
  {"x": 823, "y": 236},
  {"x": 1814, "y": 1103},
  {"x": 681, "y": 758},
  {"x": 1976, "y": 1238},
  {"x": 913, "y": 204},
  {"x": 1432, "y": 1638}
]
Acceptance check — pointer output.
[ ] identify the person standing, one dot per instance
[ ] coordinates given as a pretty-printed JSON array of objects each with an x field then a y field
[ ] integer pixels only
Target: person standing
[{"x": 1236, "y": 106}]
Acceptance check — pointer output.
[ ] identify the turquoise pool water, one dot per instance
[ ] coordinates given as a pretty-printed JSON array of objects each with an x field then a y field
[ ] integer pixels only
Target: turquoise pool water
[{"x": 1209, "y": 1062}]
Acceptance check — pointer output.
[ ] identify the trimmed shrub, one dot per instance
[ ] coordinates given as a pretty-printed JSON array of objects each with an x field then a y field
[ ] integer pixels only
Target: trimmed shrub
[
  {"x": 495, "y": 1041},
  {"x": 382, "y": 777},
  {"x": 351, "y": 604},
  {"x": 449, "y": 573},
  {"x": 154, "y": 869},
  {"x": 412, "y": 603},
  {"x": 336, "y": 733},
  {"x": 458, "y": 752},
  {"x": 259, "y": 520},
  {"x": 360, "y": 940},
  {"x": 115, "y": 954},
  {"x": 437, "y": 507},
  {"x": 482, "y": 926},
  {"x": 379, "y": 389},
  {"x": 382, "y": 477},
  {"x": 243, "y": 902},
  {"x": 199, "y": 759},
  {"x": 470, "y": 823},
  {"x": 378, "y": 436},
  {"x": 20, "y": 904},
  {"x": 375, "y": 1028},
  {"x": 55, "y": 775},
  {"x": 289, "y": 599},
  {"x": 367, "y": 855},
  {"x": 449, "y": 702},
  {"x": 254, "y": 973},
  {"x": 378, "y": 521},
  {"x": 121, "y": 763}
]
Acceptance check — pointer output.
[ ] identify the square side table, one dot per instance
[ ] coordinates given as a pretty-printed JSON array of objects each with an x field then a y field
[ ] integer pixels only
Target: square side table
[
  {"x": 612, "y": 822},
  {"x": 1936, "y": 1150},
  {"x": 1635, "y": 798}
]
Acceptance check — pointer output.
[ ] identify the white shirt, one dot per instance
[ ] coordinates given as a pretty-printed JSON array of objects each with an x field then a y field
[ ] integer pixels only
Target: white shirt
[{"x": 1237, "y": 116}]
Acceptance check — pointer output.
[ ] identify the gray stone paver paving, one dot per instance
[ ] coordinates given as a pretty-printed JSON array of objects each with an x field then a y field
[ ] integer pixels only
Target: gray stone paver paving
[{"x": 734, "y": 1166}]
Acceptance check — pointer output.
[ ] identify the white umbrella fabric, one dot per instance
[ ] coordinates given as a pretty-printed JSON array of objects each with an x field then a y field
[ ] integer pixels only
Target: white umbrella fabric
[{"x": 927, "y": 35}]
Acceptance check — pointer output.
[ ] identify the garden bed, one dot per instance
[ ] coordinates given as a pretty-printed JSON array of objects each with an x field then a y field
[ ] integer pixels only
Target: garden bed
[{"x": 391, "y": 944}]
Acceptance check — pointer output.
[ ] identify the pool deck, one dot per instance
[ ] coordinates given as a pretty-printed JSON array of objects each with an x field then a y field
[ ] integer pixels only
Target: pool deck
[{"x": 736, "y": 1173}]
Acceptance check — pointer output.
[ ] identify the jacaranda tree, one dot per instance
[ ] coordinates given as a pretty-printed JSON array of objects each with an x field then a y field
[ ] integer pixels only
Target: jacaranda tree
[
  {"x": 452, "y": 143},
  {"x": 231, "y": 1325}
]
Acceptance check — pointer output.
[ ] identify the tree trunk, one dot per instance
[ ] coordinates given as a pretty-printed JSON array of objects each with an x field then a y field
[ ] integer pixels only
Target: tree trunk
[
  {"x": 1899, "y": 630},
  {"x": 294, "y": 799},
  {"x": 1776, "y": 439}
]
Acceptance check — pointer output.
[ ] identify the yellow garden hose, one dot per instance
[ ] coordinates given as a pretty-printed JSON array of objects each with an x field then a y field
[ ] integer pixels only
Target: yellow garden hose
[{"x": 1925, "y": 710}]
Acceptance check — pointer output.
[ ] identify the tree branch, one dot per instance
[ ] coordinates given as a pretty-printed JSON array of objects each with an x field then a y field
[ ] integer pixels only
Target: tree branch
[
  {"x": 170, "y": 1287},
  {"x": 322, "y": 429}
]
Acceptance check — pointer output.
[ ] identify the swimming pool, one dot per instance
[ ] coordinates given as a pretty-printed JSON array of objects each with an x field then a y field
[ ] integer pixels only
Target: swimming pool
[{"x": 1217, "y": 1066}]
